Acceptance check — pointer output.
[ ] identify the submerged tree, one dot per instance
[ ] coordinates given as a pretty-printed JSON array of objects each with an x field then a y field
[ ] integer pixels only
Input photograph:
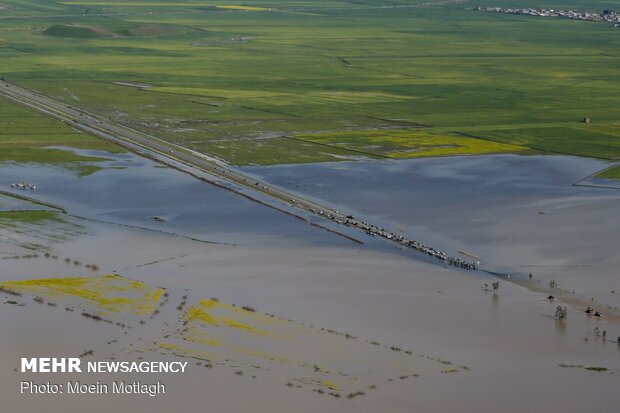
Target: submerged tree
[{"x": 561, "y": 313}]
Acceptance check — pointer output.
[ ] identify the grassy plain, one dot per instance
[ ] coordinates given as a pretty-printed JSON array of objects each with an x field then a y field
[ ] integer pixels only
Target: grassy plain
[
  {"x": 597, "y": 141},
  {"x": 612, "y": 173},
  {"x": 26, "y": 136},
  {"x": 12, "y": 218},
  {"x": 240, "y": 85}
]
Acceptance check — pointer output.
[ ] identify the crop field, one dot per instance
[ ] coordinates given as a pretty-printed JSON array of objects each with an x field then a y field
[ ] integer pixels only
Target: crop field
[
  {"x": 26, "y": 136},
  {"x": 586, "y": 140},
  {"x": 38, "y": 230},
  {"x": 224, "y": 335},
  {"x": 267, "y": 82},
  {"x": 337, "y": 362},
  {"x": 13, "y": 218},
  {"x": 104, "y": 294},
  {"x": 410, "y": 143},
  {"x": 612, "y": 173}
]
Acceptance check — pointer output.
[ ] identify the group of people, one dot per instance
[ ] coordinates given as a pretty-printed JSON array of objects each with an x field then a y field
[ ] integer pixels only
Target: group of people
[{"x": 591, "y": 311}]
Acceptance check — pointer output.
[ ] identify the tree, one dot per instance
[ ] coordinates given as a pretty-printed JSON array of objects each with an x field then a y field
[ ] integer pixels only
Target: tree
[{"x": 561, "y": 313}]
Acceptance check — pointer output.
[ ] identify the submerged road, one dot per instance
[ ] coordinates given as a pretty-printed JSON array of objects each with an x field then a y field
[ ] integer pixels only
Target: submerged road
[{"x": 208, "y": 168}]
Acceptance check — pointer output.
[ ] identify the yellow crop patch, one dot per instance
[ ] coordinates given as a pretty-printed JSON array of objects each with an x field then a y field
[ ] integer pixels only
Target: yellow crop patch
[
  {"x": 184, "y": 352},
  {"x": 198, "y": 336},
  {"x": 329, "y": 384},
  {"x": 410, "y": 143},
  {"x": 104, "y": 294},
  {"x": 323, "y": 359},
  {"x": 219, "y": 314}
]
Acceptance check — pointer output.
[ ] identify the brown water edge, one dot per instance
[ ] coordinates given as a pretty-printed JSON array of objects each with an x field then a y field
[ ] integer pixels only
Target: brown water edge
[
  {"x": 509, "y": 340},
  {"x": 519, "y": 214},
  {"x": 505, "y": 338},
  {"x": 574, "y": 299}
]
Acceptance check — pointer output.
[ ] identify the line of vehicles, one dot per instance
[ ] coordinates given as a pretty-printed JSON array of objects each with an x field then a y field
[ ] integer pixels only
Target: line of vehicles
[
  {"x": 24, "y": 186},
  {"x": 376, "y": 231},
  {"x": 77, "y": 117}
]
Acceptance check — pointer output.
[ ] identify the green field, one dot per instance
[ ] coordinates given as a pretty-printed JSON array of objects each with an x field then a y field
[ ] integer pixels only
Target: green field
[
  {"x": 410, "y": 143},
  {"x": 13, "y": 218},
  {"x": 38, "y": 230},
  {"x": 26, "y": 136},
  {"x": 309, "y": 81},
  {"x": 597, "y": 141},
  {"x": 612, "y": 173}
]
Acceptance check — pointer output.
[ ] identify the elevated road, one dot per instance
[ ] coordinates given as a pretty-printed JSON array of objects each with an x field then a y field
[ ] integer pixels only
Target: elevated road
[{"x": 208, "y": 168}]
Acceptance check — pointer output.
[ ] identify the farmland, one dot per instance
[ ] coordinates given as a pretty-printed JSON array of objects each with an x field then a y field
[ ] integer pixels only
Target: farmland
[
  {"x": 234, "y": 237},
  {"x": 612, "y": 173},
  {"x": 27, "y": 136},
  {"x": 285, "y": 82},
  {"x": 407, "y": 143}
]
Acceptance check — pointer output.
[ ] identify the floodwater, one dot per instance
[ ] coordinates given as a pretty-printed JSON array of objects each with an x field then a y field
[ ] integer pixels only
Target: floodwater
[
  {"x": 412, "y": 193},
  {"x": 283, "y": 266},
  {"x": 132, "y": 190},
  {"x": 519, "y": 214},
  {"x": 9, "y": 203}
]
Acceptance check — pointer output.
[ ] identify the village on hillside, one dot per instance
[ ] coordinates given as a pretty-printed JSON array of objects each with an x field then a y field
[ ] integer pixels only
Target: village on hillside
[{"x": 609, "y": 16}]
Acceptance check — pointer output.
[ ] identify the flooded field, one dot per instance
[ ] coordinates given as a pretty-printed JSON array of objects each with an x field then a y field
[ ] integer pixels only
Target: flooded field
[
  {"x": 135, "y": 191},
  {"x": 265, "y": 306},
  {"x": 518, "y": 214},
  {"x": 420, "y": 192}
]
